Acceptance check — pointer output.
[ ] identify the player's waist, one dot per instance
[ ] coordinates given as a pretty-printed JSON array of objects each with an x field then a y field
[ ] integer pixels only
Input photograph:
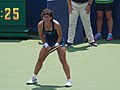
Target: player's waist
[{"x": 80, "y": 1}]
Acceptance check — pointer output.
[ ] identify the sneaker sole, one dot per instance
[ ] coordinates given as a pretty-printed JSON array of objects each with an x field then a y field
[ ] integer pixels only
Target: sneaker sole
[
  {"x": 31, "y": 83},
  {"x": 68, "y": 86},
  {"x": 93, "y": 45}
]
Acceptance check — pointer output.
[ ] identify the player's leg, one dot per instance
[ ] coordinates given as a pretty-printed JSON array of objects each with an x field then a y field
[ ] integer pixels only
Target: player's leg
[
  {"x": 62, "y": 56},
  {"x": 42, "y": 55}
]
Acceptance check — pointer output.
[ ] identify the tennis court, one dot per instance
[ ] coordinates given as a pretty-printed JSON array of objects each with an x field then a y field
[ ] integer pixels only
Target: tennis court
[{"x": 92, "y": 68}]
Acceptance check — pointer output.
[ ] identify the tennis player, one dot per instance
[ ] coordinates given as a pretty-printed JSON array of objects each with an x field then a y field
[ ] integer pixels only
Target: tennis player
[{"x": 50, "y": 33}]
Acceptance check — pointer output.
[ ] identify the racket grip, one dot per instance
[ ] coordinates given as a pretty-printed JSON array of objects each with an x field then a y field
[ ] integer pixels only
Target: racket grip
[{"x": 54, "y": 48}]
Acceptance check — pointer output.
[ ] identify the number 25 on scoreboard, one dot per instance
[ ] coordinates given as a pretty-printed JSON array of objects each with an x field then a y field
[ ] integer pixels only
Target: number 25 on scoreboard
[{"x": 12, "y": 14}]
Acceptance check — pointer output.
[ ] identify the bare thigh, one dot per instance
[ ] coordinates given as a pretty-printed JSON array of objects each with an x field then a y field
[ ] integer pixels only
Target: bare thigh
[
  {"x": 62, "y": 54},
  {"x": 43, "y": 54}
]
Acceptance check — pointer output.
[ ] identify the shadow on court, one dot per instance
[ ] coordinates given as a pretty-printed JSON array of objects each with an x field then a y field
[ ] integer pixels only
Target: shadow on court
[
  {"x": 99, "y": 42},
  {"x": 103, "y": 41},
  {"x": 14, "y": 41},
  {"x": 74, "y": 49},
  {"x": 11, "y": 39},
  {"x": 18, "y": 39},
  {"x": 47, "y": 87}
]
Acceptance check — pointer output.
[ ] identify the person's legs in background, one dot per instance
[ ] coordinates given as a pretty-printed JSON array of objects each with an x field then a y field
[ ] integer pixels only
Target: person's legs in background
[
  {"x": 108, "y": 12},
  {"x": 73, "y": 17},
  {"x": 85, "y": 18},
  {"x": 99, "y": 11},
  {"x": 110, "y": 24},
  {"x": 99, "y": 25}
]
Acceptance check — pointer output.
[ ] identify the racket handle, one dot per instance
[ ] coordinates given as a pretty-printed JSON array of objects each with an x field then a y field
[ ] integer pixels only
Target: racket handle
[{"x": 53, "y": 49}]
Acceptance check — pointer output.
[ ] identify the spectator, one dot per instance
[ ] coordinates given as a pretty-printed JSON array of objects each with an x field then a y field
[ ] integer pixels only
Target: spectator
[
  {"x": 101, "y": 7},
  {"x": 80, "y": 8}
]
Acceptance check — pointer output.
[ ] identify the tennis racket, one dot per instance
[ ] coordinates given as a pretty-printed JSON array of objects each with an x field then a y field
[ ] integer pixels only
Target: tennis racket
[{"x": 54, "y": 48}]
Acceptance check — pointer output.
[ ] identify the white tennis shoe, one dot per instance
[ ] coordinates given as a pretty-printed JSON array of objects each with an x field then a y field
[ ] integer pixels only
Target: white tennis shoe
[
  {"x": 32, "y": 80},
  {"x": 68, "y": 83}
]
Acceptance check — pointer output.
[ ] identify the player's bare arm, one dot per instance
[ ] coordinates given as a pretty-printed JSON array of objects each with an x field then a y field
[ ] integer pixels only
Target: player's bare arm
[
  {"x": 40, "y": 27},
  {"x": 59, "y": 30}
]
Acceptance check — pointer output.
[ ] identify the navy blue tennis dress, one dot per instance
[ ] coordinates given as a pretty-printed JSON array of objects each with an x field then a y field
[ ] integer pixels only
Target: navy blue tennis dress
[{"x": 52, "y": 36}]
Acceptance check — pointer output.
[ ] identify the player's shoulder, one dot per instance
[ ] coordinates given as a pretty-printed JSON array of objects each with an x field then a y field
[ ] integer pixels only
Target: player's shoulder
[
  {"x": 40, "y": 23},
  {"x": 56, "y": 22}
]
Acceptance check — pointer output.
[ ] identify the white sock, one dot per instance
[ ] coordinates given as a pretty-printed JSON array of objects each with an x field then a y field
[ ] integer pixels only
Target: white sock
[
  {"x": 109, "y": 33},
  {"x": 69, "y": 80},
  {"x": 99, "y": 33},
  {"x": 35, "y": 76}
]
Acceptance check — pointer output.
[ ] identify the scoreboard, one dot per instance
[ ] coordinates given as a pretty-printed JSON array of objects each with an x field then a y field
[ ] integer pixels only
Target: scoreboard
[
  {"x": 12, "y": 12},
  {"x": 12, "y": 16}
]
